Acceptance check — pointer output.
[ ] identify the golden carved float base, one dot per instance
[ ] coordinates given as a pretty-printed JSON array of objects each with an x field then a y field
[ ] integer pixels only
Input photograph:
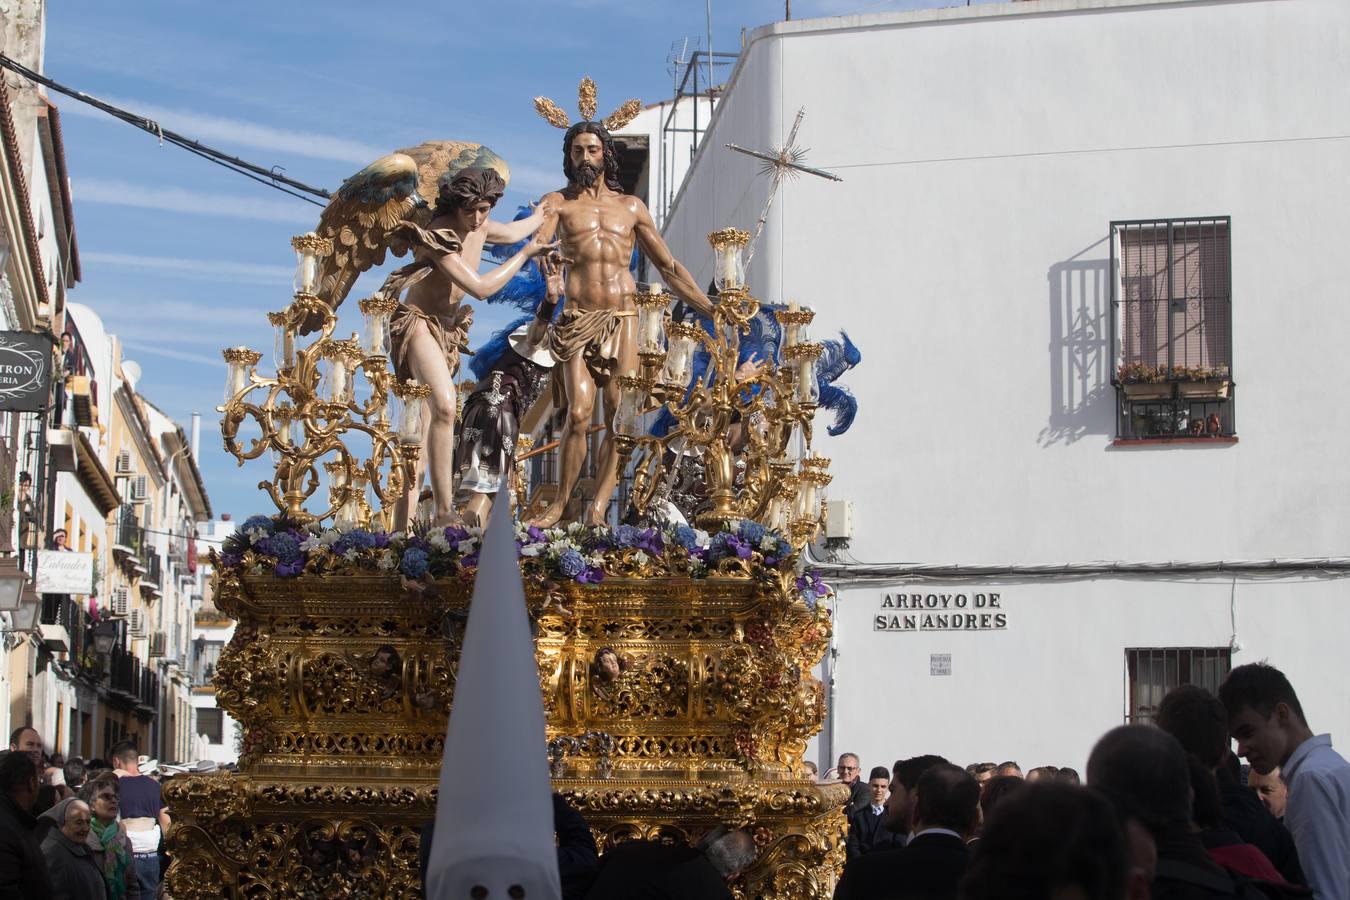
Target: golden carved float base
[{"x": 673, "y": 705}]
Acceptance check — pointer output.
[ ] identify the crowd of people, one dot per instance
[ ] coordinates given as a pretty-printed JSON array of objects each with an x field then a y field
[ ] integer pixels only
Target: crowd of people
[
  {"x": 79, "y": 829},
  {"x": 1168, "y": 812}
]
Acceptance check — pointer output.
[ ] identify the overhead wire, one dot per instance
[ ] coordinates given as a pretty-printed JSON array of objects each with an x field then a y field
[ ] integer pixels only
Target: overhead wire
[{"x": 270, "y": 177}]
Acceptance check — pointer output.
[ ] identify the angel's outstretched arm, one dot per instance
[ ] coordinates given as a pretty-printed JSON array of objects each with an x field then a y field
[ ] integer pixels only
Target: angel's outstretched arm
[
  {"x": 519, "y": 230},
  {"x": 489, "y": 283}
]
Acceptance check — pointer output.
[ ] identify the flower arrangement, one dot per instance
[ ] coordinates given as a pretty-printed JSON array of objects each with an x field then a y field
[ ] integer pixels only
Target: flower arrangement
[
  {"x": 579, "y": 553},
  {"x": 1143, "y": 373}
]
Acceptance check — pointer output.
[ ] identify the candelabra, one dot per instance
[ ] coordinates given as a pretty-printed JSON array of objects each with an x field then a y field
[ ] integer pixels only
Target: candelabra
[
  {"x": 308, "y": 414},
  {"x": 746, "y": 426}
]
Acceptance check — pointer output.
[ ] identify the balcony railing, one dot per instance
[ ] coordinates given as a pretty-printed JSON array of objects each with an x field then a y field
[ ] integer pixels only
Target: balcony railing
[
  {"x": 130, "y": 536},
  {"x": 152, "y": 582},
  {"x": 132, "y": 681}
]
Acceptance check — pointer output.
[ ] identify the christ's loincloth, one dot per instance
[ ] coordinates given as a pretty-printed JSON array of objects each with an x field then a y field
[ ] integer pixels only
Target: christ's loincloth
[{"x": 595, "y": 334}]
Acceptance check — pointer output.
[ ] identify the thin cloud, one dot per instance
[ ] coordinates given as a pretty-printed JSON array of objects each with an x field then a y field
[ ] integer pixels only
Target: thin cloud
[
  {"x": 213, "y": 269},
  {"x": 208, "y": 128},
  {"x": 157, "y": 350},
  {"x": 178, "y": 200}
]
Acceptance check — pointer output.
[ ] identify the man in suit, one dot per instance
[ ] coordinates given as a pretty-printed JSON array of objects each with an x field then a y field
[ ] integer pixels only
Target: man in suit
[
  {"x": 867, "y": 828},
  {"x": 904, "y": 783},
  {"x": 850, "y": 773},
  {"x": 930, "y": 866},
  {"x": 646, "y": 870}
]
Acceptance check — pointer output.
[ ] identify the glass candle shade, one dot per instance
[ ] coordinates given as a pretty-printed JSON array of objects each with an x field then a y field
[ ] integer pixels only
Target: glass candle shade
[
  {"x": 729, "y": 263},
  {"x": 309, "y": 248},
  {"x": 806, "y": 384},
  {"x": 239, "y": 361},
  {"x": 651, "y": 314},
  {"x": 283, "y": 341},
  {"x": 795, "y": 322},
  {"x": 410, "y": 410},
  {"x": 336, "y": 377},
  {"x": 632, "y": 397},
  {"x": 807, "y": 507},
  {"x": 679, "y": 366},
  {"x": 377, "y": 310}
]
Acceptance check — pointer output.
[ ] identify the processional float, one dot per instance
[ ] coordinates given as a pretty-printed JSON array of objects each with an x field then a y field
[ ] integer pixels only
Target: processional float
[{"x": 674, "y": 657}]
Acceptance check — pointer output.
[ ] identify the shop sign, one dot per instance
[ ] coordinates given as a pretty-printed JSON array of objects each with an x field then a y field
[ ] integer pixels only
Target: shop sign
[
  {"x": 24, "y": 371},
  {"x": 61, "y": 572}
]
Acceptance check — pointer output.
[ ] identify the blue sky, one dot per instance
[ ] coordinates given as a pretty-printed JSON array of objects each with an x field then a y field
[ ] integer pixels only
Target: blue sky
[{"x": 182, "y": 258}]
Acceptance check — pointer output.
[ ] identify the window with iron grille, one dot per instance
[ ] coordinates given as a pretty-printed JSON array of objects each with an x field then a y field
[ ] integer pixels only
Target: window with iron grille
[
  {"x": 209, "y": 724},
  {"x": 1173, "y": 328},
  {"x": 1153, "y": 672}
]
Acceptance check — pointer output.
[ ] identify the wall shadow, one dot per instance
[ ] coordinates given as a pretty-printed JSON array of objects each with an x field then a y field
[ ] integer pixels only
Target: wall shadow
[{"x": 1082, "y": 400}]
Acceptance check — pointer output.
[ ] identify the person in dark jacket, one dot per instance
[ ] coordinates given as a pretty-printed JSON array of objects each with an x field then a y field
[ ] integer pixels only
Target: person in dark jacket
[
  {"x": 577, "y": 856},
  {"x": 867, "y": 828},
  {"x": 1199, "y": 721},
  {"x": 23, "y": 869},
  {"x": 646, "y": 870},
  {"x": 74, "y": 874},
  {"x": 930, "y": 866},
  {"x": 849, "y": 772}
]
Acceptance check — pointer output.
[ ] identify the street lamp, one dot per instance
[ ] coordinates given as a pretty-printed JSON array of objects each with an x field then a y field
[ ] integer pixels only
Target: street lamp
[
  {"x": 24, "y": 620},
  {"x": 11, "y": 590},
  {"x": 105, "y": 635}
]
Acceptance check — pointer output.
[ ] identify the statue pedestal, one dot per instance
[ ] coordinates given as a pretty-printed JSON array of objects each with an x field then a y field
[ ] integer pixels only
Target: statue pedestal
[{"x": 673, "y": 705}]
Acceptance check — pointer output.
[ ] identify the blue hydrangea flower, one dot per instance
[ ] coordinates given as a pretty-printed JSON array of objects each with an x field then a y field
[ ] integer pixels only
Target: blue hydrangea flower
[
  {"x": 282, "y": 545},
  {"x": 686, "y": 537},
  {"x": 261, "y": 522},
  {"x": 356, "y": 539},
  {"x": 628, "y": 535},
  {"x": 414, "y": 563},
  {"x": 571, "y": 563},
  {"x": 752, "y": 532}
]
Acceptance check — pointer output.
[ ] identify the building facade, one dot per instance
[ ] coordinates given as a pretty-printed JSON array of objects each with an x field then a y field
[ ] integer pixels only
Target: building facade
[
  {"x": 1074, "y": 240},
  {"x": 215, "y": 736}
]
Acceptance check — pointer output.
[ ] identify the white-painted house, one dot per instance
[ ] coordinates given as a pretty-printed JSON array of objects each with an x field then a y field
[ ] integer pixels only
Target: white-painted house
[{"x": 1035, "y": 194}]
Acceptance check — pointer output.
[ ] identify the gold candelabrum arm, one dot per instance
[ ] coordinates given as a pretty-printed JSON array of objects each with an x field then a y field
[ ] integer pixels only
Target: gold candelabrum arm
[
  {"x": 308, "y": 415},
  {"x": 747, "y": 426}
]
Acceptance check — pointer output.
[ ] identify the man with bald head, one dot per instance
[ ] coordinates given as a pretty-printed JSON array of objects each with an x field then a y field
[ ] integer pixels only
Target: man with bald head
[{"x": 1270, "y": 789}]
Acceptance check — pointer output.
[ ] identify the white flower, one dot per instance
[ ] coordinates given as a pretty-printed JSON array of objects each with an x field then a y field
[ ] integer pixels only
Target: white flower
[
  {"x": 576, "y": 528},
  {"x": 438, "y": 540},
  {"x": 768, "y": 542},
  {"x": 640, "y": 558},
  {"x": 697, "y": 566},
  {"x": 597, "y": 560},
  {"x": 311, "y": 543},
  {"x": 555, "y": 533},
  {"x": 475, "y": 531},
  {"x": 329, "y": 538},
  {"x": 256, "y": 534},
  {"x": 350, "y": 554},
  {"x": 466, "y": 547},
  {"x": 701, "y": 537},
  {"x": 388, "y": 560},
  {"x": 532, "y": 549},
  {"x": 257, "y": 569}
]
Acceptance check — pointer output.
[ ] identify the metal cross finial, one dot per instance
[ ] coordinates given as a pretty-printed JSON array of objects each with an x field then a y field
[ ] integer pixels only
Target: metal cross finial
[{"x": 781, "y": 163}]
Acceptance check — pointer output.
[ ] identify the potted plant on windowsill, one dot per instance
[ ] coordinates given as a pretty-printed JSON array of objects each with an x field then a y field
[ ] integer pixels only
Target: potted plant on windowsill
[
  {"x": 1201, "y": 382},
  {"x": 1141, "y": 381}
]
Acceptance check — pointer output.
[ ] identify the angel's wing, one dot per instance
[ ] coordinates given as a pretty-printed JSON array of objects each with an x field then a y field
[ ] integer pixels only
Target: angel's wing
[
  {"x": 364, "y": 217},
  {"x": 439, "y": 161},
  {"x": 359, "y": 219}
]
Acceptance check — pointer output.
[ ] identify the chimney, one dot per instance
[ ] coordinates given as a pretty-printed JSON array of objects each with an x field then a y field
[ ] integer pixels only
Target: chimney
[{"x": 196, "y": 436}]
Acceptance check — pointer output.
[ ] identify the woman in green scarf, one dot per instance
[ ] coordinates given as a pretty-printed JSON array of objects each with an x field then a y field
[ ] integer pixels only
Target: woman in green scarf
[{"x": 108, "y": 839}]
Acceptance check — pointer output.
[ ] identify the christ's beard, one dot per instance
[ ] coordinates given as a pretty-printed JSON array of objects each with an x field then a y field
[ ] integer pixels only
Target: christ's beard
[{"x": 586, "y": 175}]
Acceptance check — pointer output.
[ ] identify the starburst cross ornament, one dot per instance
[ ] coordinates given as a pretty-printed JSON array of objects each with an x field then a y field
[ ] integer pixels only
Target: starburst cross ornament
[{"x": 780, "y": 163}]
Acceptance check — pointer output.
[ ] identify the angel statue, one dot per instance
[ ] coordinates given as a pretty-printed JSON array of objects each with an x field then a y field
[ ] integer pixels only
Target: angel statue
[{"x": 382, "y": 208}]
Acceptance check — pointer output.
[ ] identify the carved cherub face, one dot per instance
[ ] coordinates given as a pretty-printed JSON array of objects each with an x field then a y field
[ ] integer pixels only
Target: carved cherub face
[
  {"x": 385, "y": 663},
  {"x": 607, "y": 665}
]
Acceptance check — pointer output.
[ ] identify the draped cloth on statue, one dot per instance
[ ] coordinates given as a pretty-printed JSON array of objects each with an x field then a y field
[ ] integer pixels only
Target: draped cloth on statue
[
  {"x": 595, "y": 334},
  {"x": 449, "y": 329}
]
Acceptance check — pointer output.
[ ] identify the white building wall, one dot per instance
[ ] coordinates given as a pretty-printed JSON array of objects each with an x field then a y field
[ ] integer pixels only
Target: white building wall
[
  {"x": 670, "y": 149},
  {"x": 985, "y": 150}
]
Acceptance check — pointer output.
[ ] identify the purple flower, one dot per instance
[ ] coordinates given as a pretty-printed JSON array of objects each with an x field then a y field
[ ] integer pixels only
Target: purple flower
[
  {"x": 289, "y": 570},
  {"x": 230, "y": 560},
  {"x": 381, "y": 539},
  {"x": 571, "y": 563},
  {"x": 454, "y": 534},
  {"x": 627, "y": 535},
  {"x": 469, "y": 561},
  {"x": 739, "y": 547},
  {"x": 414, "y": 563},
  {"x": 591, "y": 575},
  {"x": 534, "y": 535},
  {"x": 652, "y": 541},
  {"x": 283, "y": 546}
]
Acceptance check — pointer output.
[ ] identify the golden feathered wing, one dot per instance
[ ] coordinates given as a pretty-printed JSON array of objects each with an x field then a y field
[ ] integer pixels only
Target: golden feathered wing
[{"x": 364, "y": 216}]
